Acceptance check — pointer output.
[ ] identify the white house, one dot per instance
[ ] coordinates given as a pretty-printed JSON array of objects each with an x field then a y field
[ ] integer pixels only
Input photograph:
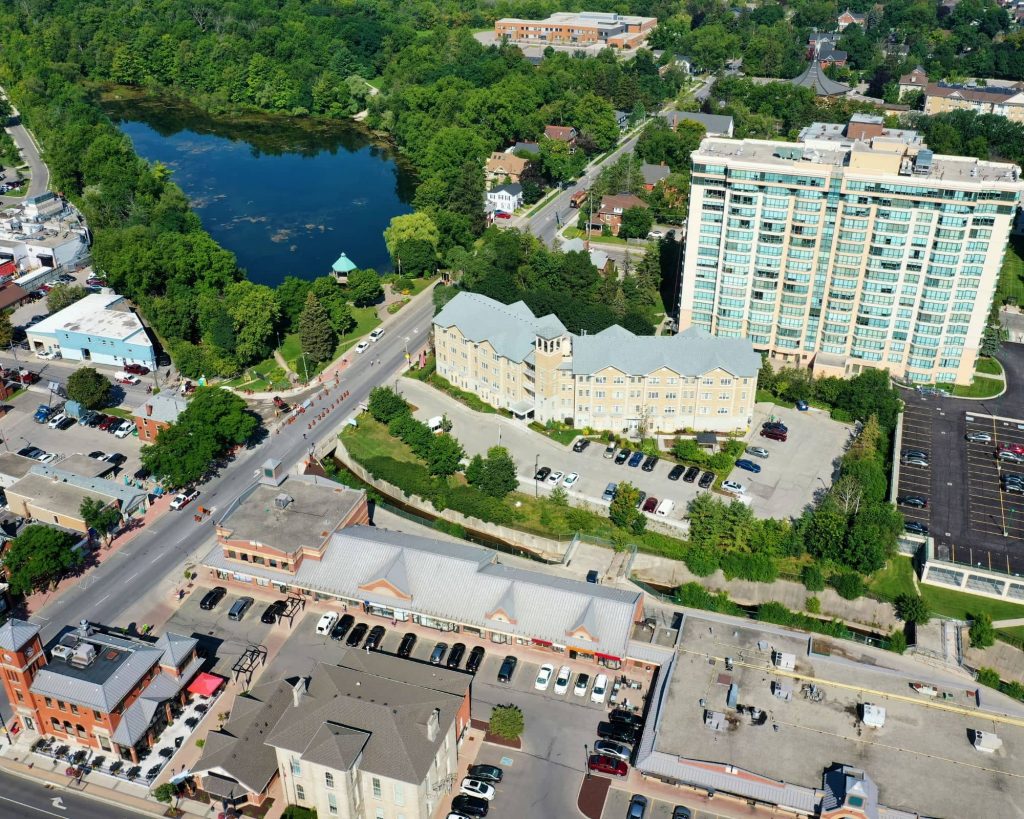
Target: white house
[{"x": 506, "y": 198}]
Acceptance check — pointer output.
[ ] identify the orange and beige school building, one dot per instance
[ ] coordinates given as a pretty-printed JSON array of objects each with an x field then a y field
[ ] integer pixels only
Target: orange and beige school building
[{"x": 583, "y": 28}]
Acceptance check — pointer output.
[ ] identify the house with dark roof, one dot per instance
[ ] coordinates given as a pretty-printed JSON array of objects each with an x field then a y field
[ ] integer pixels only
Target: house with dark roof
[
  {"x": 562, "y": 133},
  {"x": 714, "y": 124},
  {"x": 653, "y": 174},
  {"x": 505, "y": 198},
  {"x": 98, "y": 687},
  {"x": 158, "y": 412}
]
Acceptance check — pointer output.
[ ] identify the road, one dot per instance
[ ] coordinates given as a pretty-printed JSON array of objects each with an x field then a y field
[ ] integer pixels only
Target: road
[
  {"x": 29, "y": 799},
  {"x": 140, "y": 568},
  {"x": 40, "y": 181}
]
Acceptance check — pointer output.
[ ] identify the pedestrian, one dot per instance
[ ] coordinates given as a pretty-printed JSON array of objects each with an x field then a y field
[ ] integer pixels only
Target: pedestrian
[{"x": 303, "y": 436}]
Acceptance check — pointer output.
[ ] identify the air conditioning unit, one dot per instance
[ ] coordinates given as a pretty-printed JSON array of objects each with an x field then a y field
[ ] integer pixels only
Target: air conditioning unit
[
  {"x": 84, "y": 655},
  {"x": 62, "y": 651}
]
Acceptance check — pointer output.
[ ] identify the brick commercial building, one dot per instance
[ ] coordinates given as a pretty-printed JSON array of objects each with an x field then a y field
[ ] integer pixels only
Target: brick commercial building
[
  {"x": 99, "y": 688},
  {"x": 159, "y": 411},
  {"x": 855, "y": 248},
  {"x": 584, "y": 28},
  {"x": 611, "y": 380}
]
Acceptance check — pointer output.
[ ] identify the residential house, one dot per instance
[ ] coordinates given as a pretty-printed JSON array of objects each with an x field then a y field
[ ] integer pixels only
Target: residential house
[
  {"x": 622, "y": 120},
  {"x": 99, "y": 687},
  {"x": 612, "y": 208},
  {"x": 823, "y": 48},
  {"x": 714, "y": 124},
  {"x": 562, "y": 133},
  {"x": 158, "y": 412},
  {"x": 505, "y": 198},
  {"x": 503, "y": 165},
  {"x": 915, "y": 81},
  {"x": 685, "y": 63},
  {"x": 611, "y": 380},
  {"x": 578, "y": 29},
  {"x": 12, "y": 295},
  {"x": 598, "y": 257},
  {"x": 1003, "y": 101},
  {"x": 653, "y": 174},
  {"x": 851, "y": 18}
]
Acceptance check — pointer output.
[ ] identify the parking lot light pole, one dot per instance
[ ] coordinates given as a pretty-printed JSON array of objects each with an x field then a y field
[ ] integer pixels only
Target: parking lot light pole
[
  {"x": 586, "y": 761},
  {"x": 536, "y": 466}
]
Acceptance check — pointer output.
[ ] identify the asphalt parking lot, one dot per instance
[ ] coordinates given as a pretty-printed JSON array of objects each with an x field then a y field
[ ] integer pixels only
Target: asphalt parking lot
[{"x": 618, "y": 801}]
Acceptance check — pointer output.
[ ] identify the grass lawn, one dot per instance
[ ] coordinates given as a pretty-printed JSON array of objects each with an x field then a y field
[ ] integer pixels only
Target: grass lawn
[
  {"x": 765, "y": 397},
  {"x": 1011, "y": 277},
  {"x": 989, "y": 366},
  {"x": 980, "y": 388},
  {"x": 576, "y": 233},
  {"x": 957, "y": 604},
  {"x": 120, "y": 412},
  {"x": 262, "y": 377},
  {"x": 563, "y": 435},
  {"x": 291, "y": 347},
  {"x": 894, "y": 579}
]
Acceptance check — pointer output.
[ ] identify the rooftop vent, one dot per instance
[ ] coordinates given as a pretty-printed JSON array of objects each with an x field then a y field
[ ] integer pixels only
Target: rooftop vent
[
  {"x": 282, "y": 501},
  {"x": 84, "y": 629}
]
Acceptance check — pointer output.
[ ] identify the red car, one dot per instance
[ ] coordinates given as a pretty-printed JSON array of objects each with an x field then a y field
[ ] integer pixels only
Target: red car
[
  {"x": 503, "y": 215},
  {"x": 650, "y": 504},
  {"x": 136, "y": 369},
  {"x": 774, "y": 434},
  {"x": 107, "y": 421},
  {"x": 607, "y": 765},
  {"x": 1016, "y": 448}
]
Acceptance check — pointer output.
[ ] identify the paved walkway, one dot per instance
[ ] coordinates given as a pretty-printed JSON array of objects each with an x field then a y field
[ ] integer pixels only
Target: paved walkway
[{"x": 1017, "y": 621}]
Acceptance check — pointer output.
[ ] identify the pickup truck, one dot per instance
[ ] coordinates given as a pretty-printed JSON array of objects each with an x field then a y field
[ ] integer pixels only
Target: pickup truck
[{"x": 122, "y": 377}]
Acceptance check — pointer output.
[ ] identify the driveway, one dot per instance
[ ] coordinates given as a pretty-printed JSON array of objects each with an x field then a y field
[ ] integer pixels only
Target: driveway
[{"x": 40, "y": 181}]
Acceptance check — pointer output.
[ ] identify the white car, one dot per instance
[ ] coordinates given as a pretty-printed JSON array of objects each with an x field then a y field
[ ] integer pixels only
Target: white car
[
  {"x": 600, "y": 689},
  {"x": 183, "y": 499},
  {"x": 126, "y": 429},
  {"x": 562, "y": 680},
  {"x": 582, "y": 681},
  {"x": 656, "y": 234},
  {"x": 362, "y": 346},
  {"x": 555, "y": 478},
  {"x": 474, "y": 787},
  {"x": 56, "y": 420},
  {"x": 326, "y": 623},
  {"x": 376, "y": 334},
  {"x": 544, "y": 677},
  {"x": 734, "y": 488},
  {"x": 47, "y": 457},
  {"x": 49, "y": 355},
  {"x": 570, "y": 479}
]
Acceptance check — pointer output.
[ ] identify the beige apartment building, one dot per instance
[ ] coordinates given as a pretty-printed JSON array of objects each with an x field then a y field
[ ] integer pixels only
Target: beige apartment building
[
  {"x": 584, "y": 28},
  {"x": 856, "y": 247},
  {"x": 612, "y": 380},
  {"x": 1003, "y": 101}
]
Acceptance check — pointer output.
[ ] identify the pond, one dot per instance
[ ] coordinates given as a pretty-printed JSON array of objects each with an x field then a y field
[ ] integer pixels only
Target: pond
[{"x": 287, "y": 197}]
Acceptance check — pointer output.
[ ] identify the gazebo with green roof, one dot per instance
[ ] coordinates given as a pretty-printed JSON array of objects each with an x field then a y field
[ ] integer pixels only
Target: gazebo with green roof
[{"x": 343, "y": 267}]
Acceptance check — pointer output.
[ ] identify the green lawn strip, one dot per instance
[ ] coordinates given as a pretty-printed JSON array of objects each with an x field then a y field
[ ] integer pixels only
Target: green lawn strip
[
  {"x": 120, "y": 412},
  {"x": 952, "y": 603},
  {"x": 576, "y": 233},
  {"x": 980, "y": 388},
  {"x": 291, "y": 346},
  {"x": 564, "y": 435},
  {"x": 896, "y": 578},
  {"x": 543, "y": 201},
  {"x": 989, "y": 366},
  {"x": 765, "y": 397},
  {"x": 1011, "y": 277}
]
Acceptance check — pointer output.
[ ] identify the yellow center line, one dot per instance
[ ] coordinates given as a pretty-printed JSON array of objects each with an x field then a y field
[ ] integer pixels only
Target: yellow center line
[{"x": 925, "y": 703}]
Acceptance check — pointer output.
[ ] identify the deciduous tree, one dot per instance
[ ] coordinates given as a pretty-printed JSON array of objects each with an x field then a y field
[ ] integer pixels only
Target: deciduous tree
[
  {"x": 364, "y": 287},
  {"x": 102, "y": 517},
  {"x": 64, "y": 295},
  {"x": 89, "y": 388},
  {"x": 444, "y": 456},
  {"x": 39, "y": 556}
]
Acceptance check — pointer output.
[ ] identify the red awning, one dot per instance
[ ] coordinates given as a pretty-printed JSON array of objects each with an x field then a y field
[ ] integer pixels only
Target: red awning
[
  {"x": 538, "y": 642},
  {"x": 611, "y": 657},
  {"x": 205, "y": 684}
]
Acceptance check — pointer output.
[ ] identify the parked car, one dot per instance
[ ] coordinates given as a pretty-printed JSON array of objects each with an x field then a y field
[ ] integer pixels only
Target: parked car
[
  {"x": 272, "y": 612},
  {"x": 212, "y": 598},
  {"x": 915, "y": 527},
  {"x": 914, "y": 501},
  {"x": 774, "y": 434},
  {"x": 781, "y": 427},
  {"x": 979, "y": 437},
  {"x": 486, "y": 773},
  {"x": 650, "y": 463},
  {"x": 636, "y": 459},
  {"x": 555, "y": 477},
  {"x": 580, "y": 445},
  {"x": 734, "y": 488},
  {"x": 437, "y": 655},
  {"x": 376, "y": 635},
  {"x": 691, "y": 474},
  {"x": 562, "y": 680},
  {"x": 476, "y": 657},
  {"x": 641, "y": 496},
  {"x": 677, "y": 472},
  {"x": 49, "y": 355},
  {"x": 1010, "y": 457},
  {"x": 637, "y": 807},
  {"x": 600, "y": 689},
  {"x": 542, "y": 473},
  {"x": 681, "y": 812},
  {"x": 126, "y": 429},
  {"x": 706, "y": 480},
  {"x": 106, "y": 421},
  {"x": 1017, "y": 449},
  {"x": 612, "y": 749},
  {"x": 622, "y": 717},
  {"x": 66, "y": 423},
  {"x": 508, "y": 668},
  {"x": 42, "y": 415},
  {"x": 136, "y": 369},
  {"x": 910, "y": 452},
  {"x": 455, "y": 655},
  {"x": 607, "y": 765},
  {"x": 623, "y": 456},
  {"x": 47, "y": 457},
  {"x": 609, "y": 492},
  {"x": 802, "y": 405},
  {"x": 326, "y": 623},
  {"x": 122, "y": 377},
  {"x": 239, "y": 608},
  {"x": 341, "y": 629},
  {"x": 609, "y": 451},
  {"x": 55, "y": 420},
  {"x": 750, "y": 466},
  {"x": 472, "y": 806},
  {"x": 913, "y": 460},
  {"x": 650, "y": 504},
  {"x": 616, "y": 731},
  {"x": 582, "y": 683},
  {"x": 31, "y": 452},
  {"x": 406, "y": 646},
  {"x": 86, "y": 417},
  {"x": 544, "y": 677},
  {"x": 183, "y": 499},
  {"x": 356, "y": 635},
  {"x": 570, "y": 480}
]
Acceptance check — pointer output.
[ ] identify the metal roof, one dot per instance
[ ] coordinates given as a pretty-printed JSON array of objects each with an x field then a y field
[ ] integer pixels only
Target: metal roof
[
  {"x": 512, "y": 329},
  {"x": 460, "y": 583},
  {"x": 15, "y": 633},
  {"x": 164, "y": 407},
  {"x": 814, "y": 78}
]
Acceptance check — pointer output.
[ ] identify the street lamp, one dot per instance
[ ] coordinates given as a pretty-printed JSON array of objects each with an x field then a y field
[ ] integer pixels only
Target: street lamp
[
  {"x": 536, "y": 467},
  {"x": 586, "y": 761}
]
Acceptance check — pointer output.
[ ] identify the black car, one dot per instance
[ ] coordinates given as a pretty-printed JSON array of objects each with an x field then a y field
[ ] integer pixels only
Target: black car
[
  {"x": 26, "y": 451},
  {"x": 116, "y": 458},
  {"x": 476, "y": 656},
  {"x": 581, "y": 444},
  {"x": 691, "y": 474},
  {"x": 456, "y": 654},
  {"x": 67, "y": 423},
  {"x": 508, "y": 668},
  {"x": 915, "y": 528},
  {"x": 617, "y": 731},
  {"x": 625, "y": 718},
  {"x": 212, "y": 598},
  {"x": 273, "y": 611},
  {"x": 916, "y": 501},
  {"x": 781, "y": 427},
  {"x": 650, "y": 463},
  {"x": 680, "y": 812},
  {"x": 341, "y": 629},
  {"x": 406, "y": 646},
  {"x": 706, "y": 480},
  {"x": 542, "y": 473},
  {"x": 486, "y": 773},
  {"x": 910, "y": 452},
  {"x": 677, "y": 472},
  {"x": 94, "y": 420},
  {"x": 376, "y": 635},
  {"x": 467, "y": 805},
  {"x": 437, "y": 655},
  {"x": 623, "y": 456},
  {"x": 357, "y": 634}
]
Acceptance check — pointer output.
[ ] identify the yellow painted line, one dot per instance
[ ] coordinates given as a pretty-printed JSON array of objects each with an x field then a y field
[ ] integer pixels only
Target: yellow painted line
[{"x": 927, "y": 703}]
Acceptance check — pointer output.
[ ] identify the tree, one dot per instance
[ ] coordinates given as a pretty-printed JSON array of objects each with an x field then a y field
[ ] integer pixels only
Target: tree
[
  {"x": 6, "y": 329},
  {"x": 623, "y": 510},
  {"x": 498, "y": 477},
  {"x": 385, "y": 405},
  {"x": 102, "y": 517},
  {"x": 444, "y": 456},
  {"x": 849, "y": 585},
  {"x": 415, "y": 257},
  {"x": 165, "y": 793},
  {"x": 364, "y": 287},
  {"x": 255, "y": 311},
  {"x": 559, "y": 162},
  {"x": 411, "y": 226},
  {"x": 897, "y": 641},
  {"x": 812, "y": 577},
  {"x": 506, "y": 721},
  {"x": 291, "y": 295},
  {"x": 38, "y": 557},
  {"x": 316, "y": 334},
  {"x": 333, "y": 298},
  {"x": 222, "y": 413},
  {"x": 64, "y": 295},
  {"x": 636, "y": 223},
  {"x": 991, "y": 339},
  {"x": 180, "y": 455},
  {"x": 982, "y": 633},
  {"x": 911, "y": 608},
  {"x": 89, "y": 388}
]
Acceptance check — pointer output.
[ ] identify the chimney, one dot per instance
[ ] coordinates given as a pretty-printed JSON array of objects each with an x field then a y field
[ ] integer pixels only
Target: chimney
[
  {"x": 299, "y": 692},
  {"x": 434, "y": 724},
  {"x": 149, "y": 410}
]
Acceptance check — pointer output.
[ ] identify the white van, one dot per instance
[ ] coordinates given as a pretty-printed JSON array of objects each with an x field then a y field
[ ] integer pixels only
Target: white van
[
  {"x": 665, "y": 508},
  {"x": 436, "y": 424},
  {"x": 326, "y": 623}
]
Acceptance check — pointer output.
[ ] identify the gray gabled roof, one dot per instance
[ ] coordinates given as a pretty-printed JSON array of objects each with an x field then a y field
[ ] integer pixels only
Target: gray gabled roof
[
  {"x": 653, "y": 174},
  {"x": 164, "y": 407},
  {"x": 103, "y": 696},
  {"x": 691, "y": 353},
  {"x": 175, "y": 647},
  {"x": 511, "y": 329},
  {"x": 814, "y": 78},
  {"x": 15, "y": 633},
  {"x": 714, "y": 124},
  {"x": 512, "y": 188}
]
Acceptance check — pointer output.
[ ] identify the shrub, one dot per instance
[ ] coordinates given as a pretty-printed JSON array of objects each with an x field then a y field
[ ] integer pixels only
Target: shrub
[
  {"x": 506, "y": 721},
  {"x": 696, "y": 596},
  {"x": 911, "y": 608},
  {"x": 841, "y": 415},
  {"x": 701, "y": 560},
  {"x": 982, "y": 634},
  {"x": 456, "y": 529},
  {"x": 812, "y": 577},
  {"x": 849, "y": 585},
  {"x": 813, "y": 605},
  {"x": 777, "y": 613},
  {"x": 757, "y": 567},
  {"x": 897, "y": 641},
  {"x": 385, "y": 404},
  {"x": 989, "y": 677}
]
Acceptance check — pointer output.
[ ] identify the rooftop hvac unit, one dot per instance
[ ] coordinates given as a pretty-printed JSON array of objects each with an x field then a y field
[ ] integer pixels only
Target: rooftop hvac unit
[
  {"x": 282, "y": 501},
  {"x": 83, "y": 655},
  {"x": 62, "y": 651}
]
